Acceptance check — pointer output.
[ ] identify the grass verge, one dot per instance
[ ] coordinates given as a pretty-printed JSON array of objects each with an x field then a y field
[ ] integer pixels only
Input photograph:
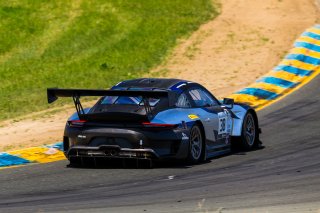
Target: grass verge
[{"x": 85, "y": 44}]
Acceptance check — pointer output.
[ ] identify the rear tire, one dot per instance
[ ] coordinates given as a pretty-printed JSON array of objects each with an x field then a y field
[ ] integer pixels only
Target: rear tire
[
  {"x": 74, "y": 164},
  {"x": 196, "y": 150}
]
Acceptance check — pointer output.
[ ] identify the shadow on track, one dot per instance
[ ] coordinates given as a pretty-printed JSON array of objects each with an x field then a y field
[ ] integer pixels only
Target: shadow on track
[{"x": 148, "y": 164}]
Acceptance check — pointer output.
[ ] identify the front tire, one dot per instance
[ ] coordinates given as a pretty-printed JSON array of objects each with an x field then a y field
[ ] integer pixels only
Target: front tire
[
  {"x": 249, "y": 132},
  {"x": 196, "y": 145}
]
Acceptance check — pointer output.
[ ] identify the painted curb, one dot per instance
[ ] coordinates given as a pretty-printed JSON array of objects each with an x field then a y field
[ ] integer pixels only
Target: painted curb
[
  {"x": 300, "y": 66},
  {"x": 41, "y": 154}
]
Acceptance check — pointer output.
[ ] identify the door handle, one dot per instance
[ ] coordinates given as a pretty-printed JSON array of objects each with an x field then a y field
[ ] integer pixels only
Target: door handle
[{"x": 207, "y": 120}]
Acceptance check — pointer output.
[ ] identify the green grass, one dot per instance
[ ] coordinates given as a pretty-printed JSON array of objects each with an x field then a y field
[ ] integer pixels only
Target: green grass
[{"x": 85, "y": 44}]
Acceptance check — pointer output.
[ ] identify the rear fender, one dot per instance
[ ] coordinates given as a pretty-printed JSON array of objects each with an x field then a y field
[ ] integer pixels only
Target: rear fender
[{"x": 177, "y": 116}]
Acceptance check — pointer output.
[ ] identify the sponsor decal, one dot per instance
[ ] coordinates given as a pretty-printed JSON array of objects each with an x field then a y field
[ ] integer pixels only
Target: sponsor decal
[
  {"x": 193, "y": 116},
  {"x": 184, "y": 137},
  {"x": 227, "y": 139}
]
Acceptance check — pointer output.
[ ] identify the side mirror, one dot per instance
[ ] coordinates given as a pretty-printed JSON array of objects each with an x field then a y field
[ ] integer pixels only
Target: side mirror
[{"x": 228, "y": 103}]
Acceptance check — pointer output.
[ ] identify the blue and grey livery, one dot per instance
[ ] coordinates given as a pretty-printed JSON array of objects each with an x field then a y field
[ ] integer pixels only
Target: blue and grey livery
[{"x": 151, "y": 119}]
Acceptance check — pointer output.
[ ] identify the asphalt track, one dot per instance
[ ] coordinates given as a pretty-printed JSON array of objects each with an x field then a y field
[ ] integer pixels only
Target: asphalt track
[{"x": 282, "y": 177}]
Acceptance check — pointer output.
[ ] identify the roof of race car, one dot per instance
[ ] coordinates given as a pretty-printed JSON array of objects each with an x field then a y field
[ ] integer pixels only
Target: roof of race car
[{"x": 157, "y": 83}]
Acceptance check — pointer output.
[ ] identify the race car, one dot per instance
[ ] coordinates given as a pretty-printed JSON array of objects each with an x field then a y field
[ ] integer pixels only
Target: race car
[{"x": 155, "y": 119}]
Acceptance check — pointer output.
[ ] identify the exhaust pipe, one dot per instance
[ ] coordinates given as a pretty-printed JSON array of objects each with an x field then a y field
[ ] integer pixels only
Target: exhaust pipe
[
  {"x": 113, "y": 152},
  {"x": 107, "y": 152}
]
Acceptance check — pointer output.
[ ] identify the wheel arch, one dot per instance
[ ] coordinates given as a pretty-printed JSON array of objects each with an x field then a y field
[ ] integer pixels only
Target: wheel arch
[
  {"x": 199, "y": 123},
  {"x": 204, "y": 147},
  {"x": 240, "y": 111},
  {"x": 255, "y": 116},
  {"x": 256, "y": 120}
]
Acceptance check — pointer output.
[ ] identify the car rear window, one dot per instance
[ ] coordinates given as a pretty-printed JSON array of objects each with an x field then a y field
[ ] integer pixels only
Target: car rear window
[{"x": 128, "y": 100}]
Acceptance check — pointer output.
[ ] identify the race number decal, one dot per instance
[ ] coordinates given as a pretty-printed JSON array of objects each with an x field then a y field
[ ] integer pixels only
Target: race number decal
[{"x": 222, "y": 126}]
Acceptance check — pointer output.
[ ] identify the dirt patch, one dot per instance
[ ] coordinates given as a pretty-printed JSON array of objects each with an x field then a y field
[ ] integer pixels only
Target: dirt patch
[
  {"x": 246, "y": 41},
  {"x": 38, "y": 128},
  {"x": 44, "y": 128},
  {"x": 225, "y": 55}
]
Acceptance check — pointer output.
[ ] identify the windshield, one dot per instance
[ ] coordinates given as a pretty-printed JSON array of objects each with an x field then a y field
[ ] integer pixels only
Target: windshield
[{"x": 127, "y": 100}]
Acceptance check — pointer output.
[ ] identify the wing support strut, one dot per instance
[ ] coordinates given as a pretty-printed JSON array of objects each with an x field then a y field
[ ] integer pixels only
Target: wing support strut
[
  {"x": 147, "y": 107},
  {"x": 77, "y": 104}
]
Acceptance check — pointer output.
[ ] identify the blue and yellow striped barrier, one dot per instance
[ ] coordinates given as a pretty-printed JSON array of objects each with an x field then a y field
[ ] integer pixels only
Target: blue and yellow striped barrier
[
  {"x": 42, "y": 154},
  {"x": 298, "y": 67}
]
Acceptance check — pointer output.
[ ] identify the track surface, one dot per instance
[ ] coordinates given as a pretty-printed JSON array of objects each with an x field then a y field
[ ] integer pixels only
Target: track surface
[{"x": 282, "y": 177}]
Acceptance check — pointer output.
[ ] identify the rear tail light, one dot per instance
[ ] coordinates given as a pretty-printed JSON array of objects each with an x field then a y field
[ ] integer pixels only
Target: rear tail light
[
  {"x": 157, "y": 125},
  {"x": 77, "y": 123}
]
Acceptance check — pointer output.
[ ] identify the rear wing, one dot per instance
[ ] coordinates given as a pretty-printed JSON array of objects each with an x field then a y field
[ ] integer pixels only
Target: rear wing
[{"x": 54, "y": 93}]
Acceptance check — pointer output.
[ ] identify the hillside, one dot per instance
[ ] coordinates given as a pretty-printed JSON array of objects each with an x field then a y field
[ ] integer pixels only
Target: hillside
[{"x": 85, "y": 44}]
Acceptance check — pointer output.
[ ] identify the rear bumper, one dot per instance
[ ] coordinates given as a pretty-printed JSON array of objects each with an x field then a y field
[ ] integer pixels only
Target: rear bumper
[{"x": 110, "y": 143}]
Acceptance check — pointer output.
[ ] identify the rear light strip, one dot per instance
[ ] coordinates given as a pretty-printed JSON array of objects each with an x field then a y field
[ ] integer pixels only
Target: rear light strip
[
  {"x": 80, "y": 123},
  {"x": 77, "y": 123}
]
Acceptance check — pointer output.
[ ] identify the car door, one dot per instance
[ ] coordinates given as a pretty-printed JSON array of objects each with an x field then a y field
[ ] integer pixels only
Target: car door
[{"x": 216, "y": 120}]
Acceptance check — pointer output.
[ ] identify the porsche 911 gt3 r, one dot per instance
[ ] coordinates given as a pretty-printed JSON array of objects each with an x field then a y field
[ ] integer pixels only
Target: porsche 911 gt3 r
[{"x": 155, "y": 119}]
